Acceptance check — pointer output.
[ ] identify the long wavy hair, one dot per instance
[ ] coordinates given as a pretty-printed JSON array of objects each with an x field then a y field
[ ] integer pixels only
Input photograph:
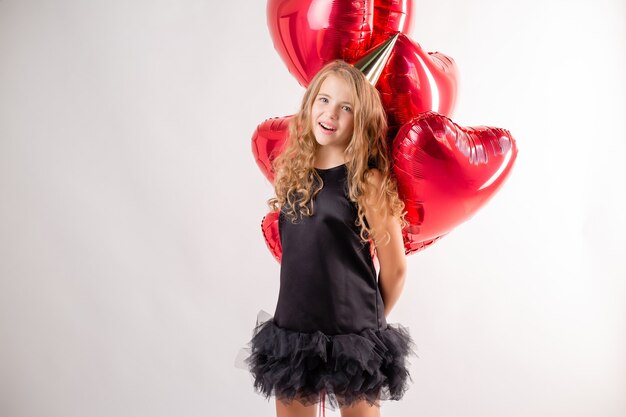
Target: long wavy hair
[{"x": 296, "y": 180}]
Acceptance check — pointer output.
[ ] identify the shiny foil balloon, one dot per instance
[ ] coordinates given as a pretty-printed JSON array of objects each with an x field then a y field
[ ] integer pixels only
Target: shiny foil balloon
[
  {"x": 415, "y": 81},
  {"x": 269, "y": 228},
  {"x": 268, "y": 141},
  {"x": 391, "y": 16},
  {"x": 446, "y": 173},
  {"x": 307, "y": 34}
]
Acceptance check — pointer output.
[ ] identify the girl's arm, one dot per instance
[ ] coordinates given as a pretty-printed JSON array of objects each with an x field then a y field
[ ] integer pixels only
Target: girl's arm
[{"x": 390, "y": 253}]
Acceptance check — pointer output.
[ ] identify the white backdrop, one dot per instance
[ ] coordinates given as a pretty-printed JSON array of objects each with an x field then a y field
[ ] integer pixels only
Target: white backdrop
[{"x": 132, "y": 264}]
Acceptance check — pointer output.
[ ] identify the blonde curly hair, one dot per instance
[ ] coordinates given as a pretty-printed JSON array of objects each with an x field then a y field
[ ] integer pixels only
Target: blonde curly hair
[{"x": 296, "y": 180}]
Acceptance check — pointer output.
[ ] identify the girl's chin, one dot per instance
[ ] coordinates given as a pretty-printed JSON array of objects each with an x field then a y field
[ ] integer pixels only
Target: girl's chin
[
  {"x": 324, "y": 140},
  {"x": 330, "y": 143},
  {"x": 323, "y": 137}
]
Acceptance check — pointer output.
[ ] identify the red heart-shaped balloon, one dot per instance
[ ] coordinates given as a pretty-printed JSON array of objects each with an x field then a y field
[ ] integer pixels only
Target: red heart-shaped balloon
[
  {"x": 414, "y": 81},
  {"x": 269, "y": 228},
  {"x": 307, "y": 34},
  {"x": 446, "y": 173},
  {"x": 310, "y": 33},
  {"x": 268, "y": 141}
]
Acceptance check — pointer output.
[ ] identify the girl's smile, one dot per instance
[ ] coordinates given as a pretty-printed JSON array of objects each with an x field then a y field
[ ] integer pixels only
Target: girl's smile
[{"x": 332, "y": 113}]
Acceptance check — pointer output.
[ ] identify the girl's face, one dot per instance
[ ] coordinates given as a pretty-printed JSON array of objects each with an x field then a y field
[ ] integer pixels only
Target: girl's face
[{"x": 332, "y": 113}]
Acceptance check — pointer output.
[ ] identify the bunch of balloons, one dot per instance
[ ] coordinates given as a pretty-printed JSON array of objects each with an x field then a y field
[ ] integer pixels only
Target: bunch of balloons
[{"x": 445, "y": 173}]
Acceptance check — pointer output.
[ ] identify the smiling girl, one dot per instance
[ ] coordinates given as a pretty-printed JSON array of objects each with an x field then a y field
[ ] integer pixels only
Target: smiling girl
[{"x": 329, "y": 337}]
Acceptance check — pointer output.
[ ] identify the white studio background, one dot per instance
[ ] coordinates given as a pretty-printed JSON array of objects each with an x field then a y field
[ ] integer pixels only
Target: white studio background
[{"x": 132, "y": 264}]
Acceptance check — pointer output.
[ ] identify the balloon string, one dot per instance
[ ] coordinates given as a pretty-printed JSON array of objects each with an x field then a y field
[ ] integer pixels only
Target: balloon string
[{"x": 322, "y": 407}]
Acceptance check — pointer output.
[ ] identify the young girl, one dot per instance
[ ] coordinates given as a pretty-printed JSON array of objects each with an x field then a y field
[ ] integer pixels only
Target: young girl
[{"x": 329, "y": 338}]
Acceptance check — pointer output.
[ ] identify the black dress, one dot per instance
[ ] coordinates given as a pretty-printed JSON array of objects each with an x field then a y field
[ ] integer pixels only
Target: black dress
[{"x": 328, "y": 337}]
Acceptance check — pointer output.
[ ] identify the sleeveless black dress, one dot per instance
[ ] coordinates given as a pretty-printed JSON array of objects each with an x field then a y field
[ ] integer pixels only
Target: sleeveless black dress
[{"x": 328, "y": 337}]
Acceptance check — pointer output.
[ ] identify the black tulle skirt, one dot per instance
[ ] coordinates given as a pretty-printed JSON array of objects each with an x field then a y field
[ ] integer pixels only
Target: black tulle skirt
[{"x": 342, "y": 369}]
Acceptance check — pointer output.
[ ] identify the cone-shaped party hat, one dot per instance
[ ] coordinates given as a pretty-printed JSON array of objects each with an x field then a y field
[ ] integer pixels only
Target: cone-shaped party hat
[{"x": 373, "y": 63}]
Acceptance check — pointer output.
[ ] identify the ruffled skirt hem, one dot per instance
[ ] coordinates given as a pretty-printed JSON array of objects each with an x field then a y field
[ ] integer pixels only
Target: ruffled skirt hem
[{"x": 344, "y": 369}]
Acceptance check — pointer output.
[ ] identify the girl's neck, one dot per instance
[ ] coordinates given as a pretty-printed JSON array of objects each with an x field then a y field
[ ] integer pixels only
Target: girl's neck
[{"x": 329, "y": 161}]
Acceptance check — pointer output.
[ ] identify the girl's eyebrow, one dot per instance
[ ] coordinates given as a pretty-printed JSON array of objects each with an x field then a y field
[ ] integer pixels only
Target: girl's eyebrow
[{"x": 326, "y": 95}]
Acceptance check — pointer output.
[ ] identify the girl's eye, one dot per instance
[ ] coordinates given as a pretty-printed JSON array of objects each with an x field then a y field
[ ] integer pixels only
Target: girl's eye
[
  {"x": 346, "y": 108},
  {"x": 323, "y": 99}
]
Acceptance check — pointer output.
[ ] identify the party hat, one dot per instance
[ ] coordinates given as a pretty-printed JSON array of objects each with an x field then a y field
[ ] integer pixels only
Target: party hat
[{"x": 373, "y": 63}]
